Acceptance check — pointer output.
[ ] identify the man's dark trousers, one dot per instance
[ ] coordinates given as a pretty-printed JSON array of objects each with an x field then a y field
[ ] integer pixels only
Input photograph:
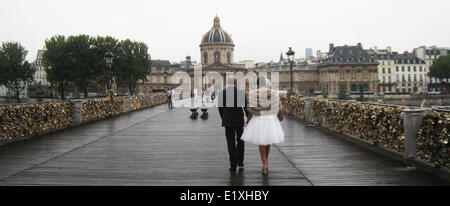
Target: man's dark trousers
[
  {"x": 169, "y": 102},
  {"x": 235, "y": 145},
  {"x": 233, "y": 120}
]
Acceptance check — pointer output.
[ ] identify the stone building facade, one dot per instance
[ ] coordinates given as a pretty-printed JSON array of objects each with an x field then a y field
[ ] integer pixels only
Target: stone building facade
[
  {"x": 400, "y": 73},
  {"x": 217, "y": 54},
  {"x": 305, "y": 76},
  {"x": 411, "y": 74},
  {"x": 386, "y": 69},
  {"x": 217, "y": 46},
  {"x": 351, "y": 66}
]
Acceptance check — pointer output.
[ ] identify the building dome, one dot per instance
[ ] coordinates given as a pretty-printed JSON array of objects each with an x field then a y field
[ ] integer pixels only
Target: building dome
[{"x": 217, "y": 35}]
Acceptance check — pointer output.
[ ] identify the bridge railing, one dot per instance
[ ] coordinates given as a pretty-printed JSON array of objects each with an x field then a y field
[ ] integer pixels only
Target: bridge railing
[
  {"x": 422, "y": 134},
  {"x": 23, "y": 120},
  {"x": 433, "y": 137},
  {"x": 26, "y": 120}
]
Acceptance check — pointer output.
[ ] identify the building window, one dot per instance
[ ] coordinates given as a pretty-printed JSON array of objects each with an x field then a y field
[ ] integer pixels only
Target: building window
[
  {"x": 217, "y": 56},
  {"x": 403, "y": 77},
  {"x": 229, "y": 58},
  {"x": 353, "y": 75},
  {"x": 365, "y": 75},
  {"x": 403, "y": 68},
  {"x": 414, "y": 68},
  {"x": 396, "y": 68},
  {"x": 409, "y": 68},
  {"x": 384, "y": 78},
  {"x": 383, "y": 70},
  {"x": 409, "y": 77},
  {"x": 389, "y": 78},
  {"x": 342, "y": 76},
  {"x": 205, "y": 58},
  {"x": 415, "y": 77}
]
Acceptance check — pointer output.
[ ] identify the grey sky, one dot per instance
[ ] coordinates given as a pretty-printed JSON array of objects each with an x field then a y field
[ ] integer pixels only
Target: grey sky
[{"x": 260, "y": 29}]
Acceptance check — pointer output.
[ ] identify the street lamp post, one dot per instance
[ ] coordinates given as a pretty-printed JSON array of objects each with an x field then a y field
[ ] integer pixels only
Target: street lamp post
[
  {"x": 165, "y": 79},
  {"x": 109, "y": 57},
  {"x": 291, "y": 59}
]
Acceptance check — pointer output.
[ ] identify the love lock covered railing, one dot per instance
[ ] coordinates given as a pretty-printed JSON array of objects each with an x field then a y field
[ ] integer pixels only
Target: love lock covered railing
[{"x": 417, "y": 133}]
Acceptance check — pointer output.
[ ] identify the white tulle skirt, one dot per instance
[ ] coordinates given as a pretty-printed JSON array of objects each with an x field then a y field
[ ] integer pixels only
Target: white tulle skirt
[{"x": 263, "y": 130}]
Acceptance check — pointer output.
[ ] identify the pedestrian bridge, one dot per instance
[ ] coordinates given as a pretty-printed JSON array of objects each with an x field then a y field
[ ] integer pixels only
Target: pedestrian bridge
[{"x": 158, "y": 146}]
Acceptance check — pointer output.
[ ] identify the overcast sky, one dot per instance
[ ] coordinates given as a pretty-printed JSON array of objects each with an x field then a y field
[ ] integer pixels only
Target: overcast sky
[{"x": 261, "y": 29}]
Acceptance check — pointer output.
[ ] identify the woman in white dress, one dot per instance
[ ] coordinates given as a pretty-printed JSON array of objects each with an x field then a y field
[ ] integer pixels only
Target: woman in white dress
[{"x": 264, "y": 127}]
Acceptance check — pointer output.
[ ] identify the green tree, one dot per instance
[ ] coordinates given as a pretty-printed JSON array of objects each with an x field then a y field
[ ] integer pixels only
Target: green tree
[
  {"x": 101, "y": 46},
  {"x": 132, "y": 64},
  {"x": 58, "y": 66},
  {"x": 83, "y": 62},
  {"x": 440, "y": 69},
  {"x": 15, "y": 71},
  {"x": 342, "y": 91},
  {"x": 2, "y": 68}
]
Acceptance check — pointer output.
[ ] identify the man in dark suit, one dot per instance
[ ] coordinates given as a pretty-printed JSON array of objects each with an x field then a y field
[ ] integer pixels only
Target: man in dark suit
[{"x": 232, "y": 105}]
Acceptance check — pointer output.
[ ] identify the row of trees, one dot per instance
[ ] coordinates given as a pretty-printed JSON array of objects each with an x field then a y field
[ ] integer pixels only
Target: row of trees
[
  {"x": 15, "y": 72},
  {"x": 80, "y": 60}
]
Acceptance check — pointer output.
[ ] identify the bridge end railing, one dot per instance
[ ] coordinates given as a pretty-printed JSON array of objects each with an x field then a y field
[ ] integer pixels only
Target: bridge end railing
[
  {"x": 22, "y": 121},
  {"x": 418, "y": 134}
]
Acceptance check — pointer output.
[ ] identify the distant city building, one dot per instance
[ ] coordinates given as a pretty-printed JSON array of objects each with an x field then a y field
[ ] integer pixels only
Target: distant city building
[
  {"x": 281, "y": 58},
  {"x": 39, "y": 79},
  {"x": 247, "y": 63},
  {"x": 161, "y": 74},
  {"x": 40, "y": 84},
  {"x": 40, "y": 76},
  {"x": 304, "y": 75},
  {"x": 386, "y": 69},
  {"x": 429, "y": 54},
  {"x": 321, "y": 55},
  {"x": 404, "y": 73},
  {"x": 411, "y": 74},
  {"x": 349, "y": 65},
  {"x": 3, "y": 91},
  {"x": 217, "y": 54},
  {"x": 308, "y": 53}
]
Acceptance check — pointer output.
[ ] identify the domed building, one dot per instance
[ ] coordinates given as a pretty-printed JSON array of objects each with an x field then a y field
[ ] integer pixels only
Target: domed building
[
  {"x": 217, "y": 46},
  {"x": 217, "y": 52},
  {"x": 217, "y": 55}
]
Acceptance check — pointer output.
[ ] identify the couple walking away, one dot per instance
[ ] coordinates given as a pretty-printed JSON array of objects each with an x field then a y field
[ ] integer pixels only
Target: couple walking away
[{"x": 263, "y": 126}]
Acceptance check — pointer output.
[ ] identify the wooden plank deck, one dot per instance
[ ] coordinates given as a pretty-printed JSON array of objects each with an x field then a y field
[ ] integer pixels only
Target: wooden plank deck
[{"x": 158, "y": 146}]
